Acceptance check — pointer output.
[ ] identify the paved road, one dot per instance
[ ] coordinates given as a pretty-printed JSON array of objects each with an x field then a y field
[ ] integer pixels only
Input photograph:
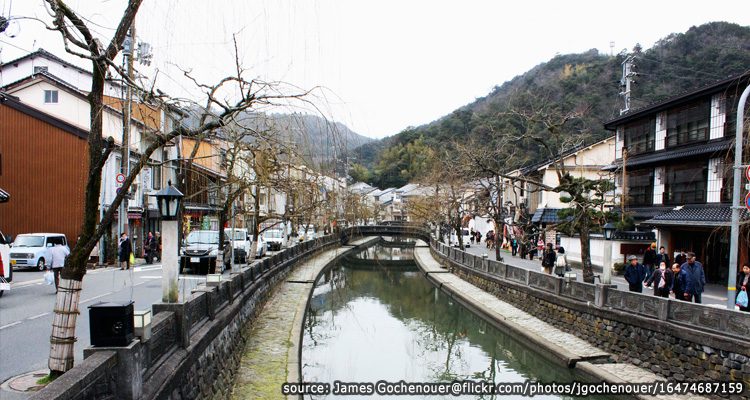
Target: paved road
[
  {"x": 714, "y": 294},
  {"x": 26, "y": 311}
]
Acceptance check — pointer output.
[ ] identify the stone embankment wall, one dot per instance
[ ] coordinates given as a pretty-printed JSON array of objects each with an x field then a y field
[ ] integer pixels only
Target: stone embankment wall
[{"x": 675, "y": 339}]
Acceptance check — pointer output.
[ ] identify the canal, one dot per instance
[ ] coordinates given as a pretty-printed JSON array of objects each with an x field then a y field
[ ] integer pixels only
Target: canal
[{"x": 375, "y": 317}]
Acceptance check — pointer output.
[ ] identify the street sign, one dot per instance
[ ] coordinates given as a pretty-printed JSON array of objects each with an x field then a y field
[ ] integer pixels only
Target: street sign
[
  {"x": 120, "y": 179},
  {"x": 747, "y": 201},
  {"x": 747, "y": 172}
]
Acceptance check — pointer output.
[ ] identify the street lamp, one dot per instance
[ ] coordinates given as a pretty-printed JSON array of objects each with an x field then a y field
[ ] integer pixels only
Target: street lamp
[
  {"x": 609, "y": 232},
  {"x": 168, "y": 201}
]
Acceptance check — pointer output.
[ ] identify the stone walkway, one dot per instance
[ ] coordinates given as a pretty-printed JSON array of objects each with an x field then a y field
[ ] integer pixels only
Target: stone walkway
[
  {"x": 271, "y": 356},
  {"x": 538, "y": 333}
]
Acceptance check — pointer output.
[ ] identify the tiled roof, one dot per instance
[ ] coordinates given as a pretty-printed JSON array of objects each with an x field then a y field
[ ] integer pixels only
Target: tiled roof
[
  {"x": 546, "y": 215},
  {"x": 661, "y": 156},
  {"x": 698, "y": 215}
]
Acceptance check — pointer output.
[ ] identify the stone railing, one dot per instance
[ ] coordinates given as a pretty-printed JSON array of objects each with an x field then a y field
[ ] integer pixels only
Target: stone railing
[
  {"x": 194, "y": 347},
  {"x": 676, "y": 339}
]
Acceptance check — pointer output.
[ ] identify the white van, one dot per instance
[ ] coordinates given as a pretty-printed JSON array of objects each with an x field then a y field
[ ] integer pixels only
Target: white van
[
  {"x": 466, "y": 238},
  {"x": 31, "y": 250}
]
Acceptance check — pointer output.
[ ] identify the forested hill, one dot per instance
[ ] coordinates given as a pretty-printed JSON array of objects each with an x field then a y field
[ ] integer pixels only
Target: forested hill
[{"x": 676, "y": 63}]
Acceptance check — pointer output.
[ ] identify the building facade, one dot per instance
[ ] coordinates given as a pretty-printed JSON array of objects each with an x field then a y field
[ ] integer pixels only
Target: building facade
[{"x": 674, "y": 162}]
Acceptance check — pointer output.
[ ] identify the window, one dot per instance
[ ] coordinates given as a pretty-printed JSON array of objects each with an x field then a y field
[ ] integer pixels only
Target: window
[
  {"x": 685, "y": 183},
  {"x": 50, "y": 96},
  {"x": 639, "y": 136},
  {"x": 641, "y": 188},
  {"x": 688, "y": 124},
  {"x": 156, "y": 177}
]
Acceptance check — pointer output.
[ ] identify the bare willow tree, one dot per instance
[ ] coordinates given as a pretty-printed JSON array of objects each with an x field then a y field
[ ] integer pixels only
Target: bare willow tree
[
  {"x": 81, "y": 41},
  {"x": 539, "y": 124}
]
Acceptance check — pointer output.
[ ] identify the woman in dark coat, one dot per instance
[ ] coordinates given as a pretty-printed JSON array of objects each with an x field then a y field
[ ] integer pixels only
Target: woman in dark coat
[
  {"x": 548, "y": 259},
  {"x": 662, "y": 280},
  {"x": 743, "y": 282}
]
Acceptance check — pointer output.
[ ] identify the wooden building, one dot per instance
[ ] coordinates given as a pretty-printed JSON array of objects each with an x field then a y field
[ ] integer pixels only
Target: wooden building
[{"x": 43, "y": 165}]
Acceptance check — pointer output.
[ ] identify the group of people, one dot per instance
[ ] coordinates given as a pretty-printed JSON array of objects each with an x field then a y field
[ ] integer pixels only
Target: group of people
[
  {"x": 685, "y": 278},
  {"x": 475, "y": 236},
  {"x": 151, "y": 249},
  {"x": 554, "y": 262}
]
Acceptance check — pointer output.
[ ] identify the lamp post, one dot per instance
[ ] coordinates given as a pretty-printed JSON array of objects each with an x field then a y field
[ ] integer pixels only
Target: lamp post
[
  {"x": 168, "y": 201},
  {"x": 609, "y": 232}
]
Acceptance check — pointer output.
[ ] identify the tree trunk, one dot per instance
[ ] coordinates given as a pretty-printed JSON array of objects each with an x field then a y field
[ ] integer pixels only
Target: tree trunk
[{"x": 588, "y": 273}]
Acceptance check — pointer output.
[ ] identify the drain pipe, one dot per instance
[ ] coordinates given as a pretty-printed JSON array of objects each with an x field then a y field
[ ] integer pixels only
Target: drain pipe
[{"x": 735, "y": 232}]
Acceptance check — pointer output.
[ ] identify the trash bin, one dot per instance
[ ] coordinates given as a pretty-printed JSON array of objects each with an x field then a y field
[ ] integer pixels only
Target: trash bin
[{"x": 111, "y": 324}]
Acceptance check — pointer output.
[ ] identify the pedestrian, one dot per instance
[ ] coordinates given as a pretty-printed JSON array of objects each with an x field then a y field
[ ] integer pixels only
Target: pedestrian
[
  {"x": 479, "y": 238},
  {"x": 57, "y": 254},
  {"x": 124, "y": 251},
  {"x": 158, "y": 245},
  {"x": 548, "y": 259},
  {"x": 561, "y": 263},
  {"x": 149, "y": 245},
  {"x": 743, "y": 281},
  {"x": 680, "y": 258},
  {"x": 650, "y": 259},
  {"x": 678, "y": 282},
  {"x": 522, "y": 250},
  {"x": 635, "y": 274},
  {"x": 663, "y": 257},
  {"x": 696, "y": 278},
  {"x": 472, "y": 236},
  {"x": 661, "y": 278},
  {"x": 532, "y": 249},
  {"x": 514, "y": 247}
]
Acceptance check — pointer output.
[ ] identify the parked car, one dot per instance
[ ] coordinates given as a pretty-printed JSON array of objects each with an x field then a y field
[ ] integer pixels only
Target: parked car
[
  {"x": 31, "y": 250},
  {"x": 466, "y": 238},
  {"x": 274, "y": 239},
  {"x": 241, "y": 241},
  {"x": 200, "y": 251},
  {"x": 6, "y": 272}
]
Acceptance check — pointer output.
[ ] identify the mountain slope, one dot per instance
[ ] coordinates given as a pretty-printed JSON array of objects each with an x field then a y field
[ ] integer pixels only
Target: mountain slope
[{"x": 591, "y": 80}]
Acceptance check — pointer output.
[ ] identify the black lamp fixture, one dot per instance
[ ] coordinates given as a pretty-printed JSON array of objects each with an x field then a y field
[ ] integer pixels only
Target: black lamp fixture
[
  {"x": 168, "y": 200},
  {"x": 609, "y": 230}
]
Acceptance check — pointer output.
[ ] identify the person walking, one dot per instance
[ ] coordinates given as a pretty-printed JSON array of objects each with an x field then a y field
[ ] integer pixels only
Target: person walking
[
  {"x": 548, "y": 259},
  {"x": 58, "y": 253},
  {"x": 472, "y": 236},
  {"x": 661, "y": 278},
  {"x": 561, "y": 263},
  {"x": 157, "y": 240},
  {"x": 650, "y": 259},
  {"x": 663, "y": 257},
  {"x": 479, "y": 238},
  {"x": 124, "y": 251},
  {"x": 680, "y": 258},
  {"x": 514, "y": 247},
  {"x": 678, "y": 282},
  {"x": 148, "y": 247},
  {"x": 743, "y": 282},
  {"x": 635, "y": 274},
  {"x": 696, "y": 278}
]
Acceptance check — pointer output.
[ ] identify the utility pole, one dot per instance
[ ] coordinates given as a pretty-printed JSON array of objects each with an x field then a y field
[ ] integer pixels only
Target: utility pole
[
  {"x": 126, "y": 107},
  {"x": 735, "y": 227},
  {"x": 628, "y": 78},
  {"x": 624, "y": 200}
]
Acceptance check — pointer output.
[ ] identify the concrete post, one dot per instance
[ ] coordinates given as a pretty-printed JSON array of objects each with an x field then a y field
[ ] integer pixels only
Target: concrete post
[
  {"x": 183, "y": 321},
  {"x": 607, "y": 263},
  {"x": 129, "y": 377},
  {"x": 170, "y": 262}
]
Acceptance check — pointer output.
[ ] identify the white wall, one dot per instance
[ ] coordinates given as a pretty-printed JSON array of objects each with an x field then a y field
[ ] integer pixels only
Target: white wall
[{"x": 572, "y": 247}]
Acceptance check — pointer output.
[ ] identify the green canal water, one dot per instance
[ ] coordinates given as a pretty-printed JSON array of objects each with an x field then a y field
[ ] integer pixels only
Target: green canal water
[{"x": 368, "y": 324}]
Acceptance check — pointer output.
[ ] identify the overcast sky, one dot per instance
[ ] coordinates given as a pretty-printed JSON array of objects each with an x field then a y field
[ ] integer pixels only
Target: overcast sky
[{"x": 382, "y": 65}]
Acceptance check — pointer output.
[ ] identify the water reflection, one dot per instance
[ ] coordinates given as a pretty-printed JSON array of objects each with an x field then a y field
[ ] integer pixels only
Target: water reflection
[{"x": 366, "y": 325}]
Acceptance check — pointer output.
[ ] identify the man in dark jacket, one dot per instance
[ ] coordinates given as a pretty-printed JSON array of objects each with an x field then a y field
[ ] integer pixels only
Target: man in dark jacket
[
  {"x": 696, "y": 278},
  {"x": 663, "y": 257},
  {"x": 661, "y": 278},
  {"x": 678, "y": 282},
  {"x": 548, "y": 259},
  {"x": 635, "y": 274},
  {"x": 650, "y": 259},
  {"x": 124, "y": 251}
]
